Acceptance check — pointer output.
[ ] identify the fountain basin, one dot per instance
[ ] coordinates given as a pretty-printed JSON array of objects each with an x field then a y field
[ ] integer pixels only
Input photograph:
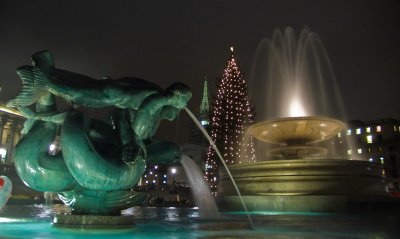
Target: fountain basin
[
  {"x": 296, "y": 130},
  {"x": 323, "y": 185}
]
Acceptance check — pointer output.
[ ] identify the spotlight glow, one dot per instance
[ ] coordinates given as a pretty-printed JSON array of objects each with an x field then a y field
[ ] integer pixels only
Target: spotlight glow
[{"x": 296, "y": 109}]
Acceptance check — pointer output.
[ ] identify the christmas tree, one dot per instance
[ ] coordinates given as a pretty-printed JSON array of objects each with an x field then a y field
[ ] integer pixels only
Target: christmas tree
[{"x": 230, "y": 116}]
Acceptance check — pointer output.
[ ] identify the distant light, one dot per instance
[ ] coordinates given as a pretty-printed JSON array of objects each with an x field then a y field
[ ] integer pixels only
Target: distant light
[
  {"x": 173, "y": 170},
  {"x": 156, "y": 167},
  {"x": 349, "y": 132},
  {"x": 349, "y": 152},
  {"x": 368, "y": 129},
  {"x": 204, "y": 122},
  {"x": 369, "y": 139},
  {"x": 231, "y": 48},
  {"x": 358, "y": 131},
  {"x": 52, "y": 147},
  {"x": 378, "y": 128},
  {"x": 3, "y": 152}
]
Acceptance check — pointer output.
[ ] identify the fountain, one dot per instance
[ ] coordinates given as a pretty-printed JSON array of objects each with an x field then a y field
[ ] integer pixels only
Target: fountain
[
  {"x": 299, "y": 168},
  {"x": 92, "y": 165}
]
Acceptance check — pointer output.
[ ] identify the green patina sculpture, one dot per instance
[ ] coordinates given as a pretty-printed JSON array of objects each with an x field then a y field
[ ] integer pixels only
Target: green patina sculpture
[{"x": 99, "y": 162}]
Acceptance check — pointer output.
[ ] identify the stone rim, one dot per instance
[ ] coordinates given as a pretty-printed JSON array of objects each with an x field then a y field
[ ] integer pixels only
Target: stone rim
[{"x": 296, "y": 130}]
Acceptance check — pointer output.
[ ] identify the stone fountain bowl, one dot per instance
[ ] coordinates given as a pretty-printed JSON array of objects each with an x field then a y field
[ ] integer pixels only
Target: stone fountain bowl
[
  {"x": 303, "y": 185},
  {"x": 296, "y": 130}
]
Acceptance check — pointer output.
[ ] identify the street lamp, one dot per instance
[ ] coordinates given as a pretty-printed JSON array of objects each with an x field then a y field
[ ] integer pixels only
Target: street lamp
[{"x": 173, "y": 171}]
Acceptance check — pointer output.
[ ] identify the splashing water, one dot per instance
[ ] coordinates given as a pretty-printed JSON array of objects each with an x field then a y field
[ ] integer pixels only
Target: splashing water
[
  {"x": 222, "y": 161},
  {"x": 292, "y": 76},
  {"x": 199, "y": 187}
]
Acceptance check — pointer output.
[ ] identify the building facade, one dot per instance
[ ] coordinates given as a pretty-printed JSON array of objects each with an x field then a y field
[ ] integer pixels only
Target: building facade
[
  {"x": 11, "y": 123},
  {"x": 377, "y": 141}
]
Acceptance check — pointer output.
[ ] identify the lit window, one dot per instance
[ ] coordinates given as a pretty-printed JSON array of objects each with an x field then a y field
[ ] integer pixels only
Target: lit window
[
  {"x": 368, "y": 129},
  {"x": 349, "y": 132},
  {"x": 378, "y": 128},
  {"x": 349, "y": 152},
  {"x": 358, "y": 131},
  {"x": 3, "y": 153},
  {"x": 204, "y": 122},
  {"x": 382, "y": 160},
  {"x": 359, "y": 151},
  {"x": 369, "y": 139},
  {"x": 394, "y": 128},
  {"x": 339, "y": 135}
]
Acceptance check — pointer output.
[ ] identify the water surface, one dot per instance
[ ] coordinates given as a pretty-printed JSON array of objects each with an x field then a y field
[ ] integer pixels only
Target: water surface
[{"x": 34, "y": 221}]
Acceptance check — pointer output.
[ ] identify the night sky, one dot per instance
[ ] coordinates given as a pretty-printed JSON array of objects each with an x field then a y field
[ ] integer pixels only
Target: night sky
[{"x": 170, "y": 41}]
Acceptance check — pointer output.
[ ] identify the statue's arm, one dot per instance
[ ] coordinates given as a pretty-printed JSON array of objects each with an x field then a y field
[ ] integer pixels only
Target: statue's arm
[
  {"x": 148, "y": 116},
  {"x": 130, "y": 148}
]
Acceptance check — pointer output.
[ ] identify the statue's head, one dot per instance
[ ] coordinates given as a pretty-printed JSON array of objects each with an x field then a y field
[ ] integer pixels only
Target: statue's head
[{"x": 180, "y": 94}]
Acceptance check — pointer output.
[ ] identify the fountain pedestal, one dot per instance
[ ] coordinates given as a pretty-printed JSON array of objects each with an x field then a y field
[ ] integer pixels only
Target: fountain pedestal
[
  {"x": 304, "y": 180},
  {"x": 324, "y": 185}
]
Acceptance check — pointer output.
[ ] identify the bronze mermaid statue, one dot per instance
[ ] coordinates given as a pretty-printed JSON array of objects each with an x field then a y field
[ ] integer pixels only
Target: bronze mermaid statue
[{"x": 99, "y": 162}]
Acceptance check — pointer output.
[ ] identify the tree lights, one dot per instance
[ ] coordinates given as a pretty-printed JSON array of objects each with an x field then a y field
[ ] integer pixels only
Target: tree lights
[{"x": 231, "y": 114}]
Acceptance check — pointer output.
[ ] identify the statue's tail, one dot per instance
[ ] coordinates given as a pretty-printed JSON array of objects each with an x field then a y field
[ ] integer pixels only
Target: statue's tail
[
  {"x": 34, "y": 84},
  {"x": 35, "y": 79}
]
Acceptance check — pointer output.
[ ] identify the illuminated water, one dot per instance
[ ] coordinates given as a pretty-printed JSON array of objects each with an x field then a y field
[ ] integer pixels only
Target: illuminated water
[
  {"x": 35, "y": 222},
  {"x": 196, "y": 121},
  {"x": 205, "y": 201},
  {"x": 293, "y": 76}
]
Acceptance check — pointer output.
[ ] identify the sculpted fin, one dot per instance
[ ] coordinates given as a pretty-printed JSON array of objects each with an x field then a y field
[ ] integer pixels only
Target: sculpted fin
[{"x": 34, "y": 84}]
